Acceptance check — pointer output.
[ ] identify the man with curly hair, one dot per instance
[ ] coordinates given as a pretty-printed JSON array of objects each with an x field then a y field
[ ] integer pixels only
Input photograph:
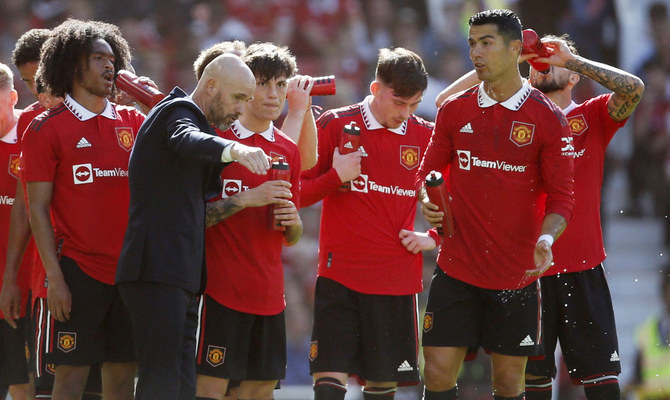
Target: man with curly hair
[{"x": 76, "y": 169}]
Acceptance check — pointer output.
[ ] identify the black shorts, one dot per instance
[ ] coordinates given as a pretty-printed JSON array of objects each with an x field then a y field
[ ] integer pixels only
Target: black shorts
[
  {"x": 371, "y": 336},
  {"x": 13, "y": 353},
  {"x": 240, "y": 346},
  {"x": 44, "y": 372},
  {"x": 577, "y": 310},
  {"x": 501, "y": 321},
  {"x": 99, "y": 328}
]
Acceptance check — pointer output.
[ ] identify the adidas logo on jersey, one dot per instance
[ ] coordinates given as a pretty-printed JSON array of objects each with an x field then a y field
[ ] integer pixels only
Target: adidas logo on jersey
[
  {"x": 348, "y": 145},
  {"x": 83, "y": 143},
  {"x": 614, "y": 356},
  {"x": 527, "y": 341},
  {"x": 405, "y": 367},
  {"x": 467, "y": 128}
]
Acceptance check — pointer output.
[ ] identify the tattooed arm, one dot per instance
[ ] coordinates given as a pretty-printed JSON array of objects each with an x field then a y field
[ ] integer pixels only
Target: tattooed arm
[
  {"x": 267, "y": 193},
  {"x": 627, "y": 87}
]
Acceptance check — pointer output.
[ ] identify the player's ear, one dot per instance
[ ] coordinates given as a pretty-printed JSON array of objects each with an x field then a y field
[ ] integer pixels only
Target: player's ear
[{"x": 375, "y": 87}]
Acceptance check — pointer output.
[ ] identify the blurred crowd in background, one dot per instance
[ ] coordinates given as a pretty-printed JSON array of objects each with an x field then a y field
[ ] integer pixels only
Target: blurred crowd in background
[{"x": 342, "y": 37}]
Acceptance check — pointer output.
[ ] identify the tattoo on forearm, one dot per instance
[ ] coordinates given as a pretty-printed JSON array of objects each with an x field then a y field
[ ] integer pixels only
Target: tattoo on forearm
[
  {"x": 627, "y": 88},
  {"x": 219, "y": 210}
]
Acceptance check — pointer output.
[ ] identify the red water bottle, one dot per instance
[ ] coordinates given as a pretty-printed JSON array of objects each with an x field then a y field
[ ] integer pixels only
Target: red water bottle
[
  {"x": 323, "y": 86},
  {"x": 437, "y": 193},
  {"x": 533, "y": 45},
  {"x": 145, "y": 94},
  {"x": 278, "y": 172},
  {"x": 349, "y": 142}
]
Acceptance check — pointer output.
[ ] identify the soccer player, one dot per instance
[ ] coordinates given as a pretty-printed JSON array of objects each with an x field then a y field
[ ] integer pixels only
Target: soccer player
[
  {"x": 75, "y": 159},
  {"x": 13, "y": 363},
  {"x": 365, "y": 316},
  {"x": 245, "y": 272},
  {"x": 502, "y": 145},
  {"x": 298, "y": 124},
  {"x": 576, "y": 301}
]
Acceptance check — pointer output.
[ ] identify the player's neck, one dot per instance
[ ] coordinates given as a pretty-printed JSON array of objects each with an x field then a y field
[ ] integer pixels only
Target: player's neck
[
  {"x": 88, "y": 100},
  {"x": 254, "y": 124},
  {"x": 503, "y": 88},
  {"x": 562, "y": 98}
]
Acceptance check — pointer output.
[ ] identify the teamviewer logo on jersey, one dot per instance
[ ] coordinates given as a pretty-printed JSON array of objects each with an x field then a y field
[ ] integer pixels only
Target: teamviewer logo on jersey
[
  {"x": 82, "y": 173},
  {"x": 464, "y": 159},
  {"x": 360, "y": 184},
  {"x": 231, "y": 187}
]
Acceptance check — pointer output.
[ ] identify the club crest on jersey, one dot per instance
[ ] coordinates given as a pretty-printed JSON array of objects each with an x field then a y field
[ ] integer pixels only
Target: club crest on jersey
[
  {"x": 409, "y": 156},
  {"x": 14, "y": 165},
  {"x": 360, "y": 184},
  {"x": 125, "y": 138},
  {"x": 50, "y": 368},
  {"x": 215, "y": 355},
  {"x": 231, "y": 187},
  {"x": 67, "y": 341},
  {"x": 577, "y": 125},
  {"x": 277, "y": 157},
  {"x": 427, "y": 321},
  {"x": 313, "y": 350},
  {"x": 522, "y": 133},
  {"x": 82, "y": 173}
]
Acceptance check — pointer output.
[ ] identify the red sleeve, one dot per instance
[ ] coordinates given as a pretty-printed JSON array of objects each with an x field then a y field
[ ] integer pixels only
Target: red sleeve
[
  {"x": 322, "y": 179},
  {"x": 439, "y": 153},
  {"x": 39, "y": 157},
  {"x": 295, "y": 178},
  {"x": 557, "y": 168}
]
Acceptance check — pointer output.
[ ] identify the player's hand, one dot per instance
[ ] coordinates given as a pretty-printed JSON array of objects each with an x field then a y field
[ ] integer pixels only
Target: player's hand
[
  {"x": 543, "y": 258},
  {"x": 297, "y": 94},
  {"x": 431, "y": 214},
  {"x": 415, "y": 242},
  {"x": 10, "y": 302},
  {"x": 266, "y": 193},
  {"x": 348, "y": 166},
  {"x": 560, "y": 53},
  {"x": 287, "y": 214},
  {"x": 252, "y": 158},
  {"x": 59, "y": 299}
]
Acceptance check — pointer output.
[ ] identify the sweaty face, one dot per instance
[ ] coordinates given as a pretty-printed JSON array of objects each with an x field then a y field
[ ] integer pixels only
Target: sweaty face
[
  {"x": 555, "y": 80},
  {"x": 390, "y": 110},
  {"x": 27, "y": 72},
  {"x": 489, "y": 54},
  {"x": 269, "y": 99},
  {"x": 97, "y": 71}
]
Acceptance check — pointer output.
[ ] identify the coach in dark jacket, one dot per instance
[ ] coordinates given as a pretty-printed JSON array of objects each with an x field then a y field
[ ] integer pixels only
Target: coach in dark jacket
[{"x": 174, "y": 168}]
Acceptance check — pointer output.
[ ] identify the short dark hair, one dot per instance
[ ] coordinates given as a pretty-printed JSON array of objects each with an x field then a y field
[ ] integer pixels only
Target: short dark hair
[
  {"x": 69, "y": 43},
  {"x": 206, "y": 56},
  {"x": 27, "y": 48},
  {"x": 508, "y": 23},
  {"x": 267, "y": 61},
  {"x": 402, "y": 70}
]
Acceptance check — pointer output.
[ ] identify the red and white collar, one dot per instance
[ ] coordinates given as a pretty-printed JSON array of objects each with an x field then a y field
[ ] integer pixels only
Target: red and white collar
[
  {"x": 514, "y": 103},
  {"x": 242, "y": 133},
  {"x": 371, "y": 122},
  {"x": 83, "y": 114}
]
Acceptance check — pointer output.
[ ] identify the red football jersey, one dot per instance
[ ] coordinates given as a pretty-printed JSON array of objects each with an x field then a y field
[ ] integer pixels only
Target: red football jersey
[
  {"x": 31, "y": 255},
  {"x": 9, "y": 157},
  {"x": 85, "y": 155},
  {"x": 500, "y": 159},
  {"x": 581, "y": 247},
  {"x": 359, "y": 245},
  {"x": 244, "y": 267}
]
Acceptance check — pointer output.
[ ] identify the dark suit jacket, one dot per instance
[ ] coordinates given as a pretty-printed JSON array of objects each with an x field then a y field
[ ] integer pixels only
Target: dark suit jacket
[{"x": 174, "y": 167}]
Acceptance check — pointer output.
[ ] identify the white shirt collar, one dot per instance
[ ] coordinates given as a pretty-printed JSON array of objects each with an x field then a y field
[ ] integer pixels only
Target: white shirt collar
[
  {"x": 11, "y": 136},
  {"x": 569, "y": 108},
  {"x": 371, "y": 122},
  {"x": 242, "y": 133},
  {"x": 514, "y": 103},
  {"x": 83, "y": 114}
]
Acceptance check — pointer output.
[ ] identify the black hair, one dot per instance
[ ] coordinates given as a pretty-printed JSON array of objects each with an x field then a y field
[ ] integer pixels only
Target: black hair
[
  {"x": 402, "y": 70},
  {"x": 508, "y": 23},
  {"x": 27, "y": 48},
  {"x": 69, "y": 44},
  {"x": 267, "y": 61}
]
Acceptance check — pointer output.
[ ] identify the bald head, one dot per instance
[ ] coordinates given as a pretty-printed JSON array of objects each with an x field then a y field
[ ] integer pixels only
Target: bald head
[{"x": 225, "y": 86}]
